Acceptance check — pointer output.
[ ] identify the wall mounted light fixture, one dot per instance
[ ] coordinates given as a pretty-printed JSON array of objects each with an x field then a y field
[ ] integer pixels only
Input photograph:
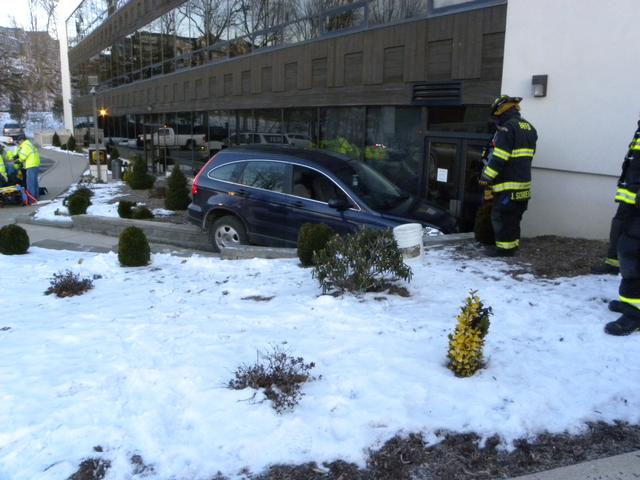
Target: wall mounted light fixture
[{"x": 539, "y": 85}]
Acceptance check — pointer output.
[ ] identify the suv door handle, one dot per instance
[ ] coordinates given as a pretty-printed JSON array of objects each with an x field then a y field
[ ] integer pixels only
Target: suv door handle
[{"x": 242, "y": 192}]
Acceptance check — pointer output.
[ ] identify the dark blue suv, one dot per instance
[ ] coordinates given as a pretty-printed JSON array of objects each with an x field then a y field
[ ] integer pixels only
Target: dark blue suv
[{"x": 263, "y": 195}]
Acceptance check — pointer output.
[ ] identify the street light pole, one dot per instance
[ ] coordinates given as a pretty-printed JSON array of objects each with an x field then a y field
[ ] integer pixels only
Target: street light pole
[{"x": 95, "y": 133}]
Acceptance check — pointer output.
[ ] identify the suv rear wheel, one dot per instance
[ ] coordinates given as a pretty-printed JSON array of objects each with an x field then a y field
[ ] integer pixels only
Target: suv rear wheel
[{"x": 227, "y": 231}]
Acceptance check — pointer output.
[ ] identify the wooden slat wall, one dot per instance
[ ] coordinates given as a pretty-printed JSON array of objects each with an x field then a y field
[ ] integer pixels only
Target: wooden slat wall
[{"x": 466, "y": 46}]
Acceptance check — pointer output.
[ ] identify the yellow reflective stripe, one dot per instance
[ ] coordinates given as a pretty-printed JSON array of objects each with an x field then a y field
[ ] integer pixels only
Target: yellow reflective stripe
[
  {"x": 614, "y": 262},
  {"x": 625, "y": 196},
  {"x": 635, "y": 147},
  {"x": 508, "y": 245},
  {"x": 503, "y": 154},
  {"x": 522, "y": 152},
  {"x": 500, "y": 187},
  {"x": 635, "y": 302},
  {"x": 490, "y": 172}
]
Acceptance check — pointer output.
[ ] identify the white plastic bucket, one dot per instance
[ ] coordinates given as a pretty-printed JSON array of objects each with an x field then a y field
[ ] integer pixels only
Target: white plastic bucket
[{"x": 409, "y": 239}]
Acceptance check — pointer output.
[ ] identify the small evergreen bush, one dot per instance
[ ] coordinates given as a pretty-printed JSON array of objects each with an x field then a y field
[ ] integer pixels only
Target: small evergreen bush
[
  {"x": 68, "y": 284},
  {"x": 55, "y": 140},
  {"x": 63, "y": 146},
  {"x": 278, "y": 374},
  {"x": 114, "y": 153},
  {"x": 13, "y": 240},
  {"x": 83, "y": 192},
  {"x": 467, "y": 340},
  {"x": 366, "y": 261},
  {"x": 177, "y": 197},
  {"x": 141, "y": 213},
  {"x": 312, "y": 238},
  {"x": 125, "y": 208},
  {"x": 71, "y": 144},
  {"x": 139, "y": 178},
  {"x": 133, "y": 248},
  {"x": 77, "y": 204}
]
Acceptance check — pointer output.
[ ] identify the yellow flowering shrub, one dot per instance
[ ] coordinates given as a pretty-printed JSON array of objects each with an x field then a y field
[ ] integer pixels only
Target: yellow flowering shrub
[{"x": 467, "y": 340}]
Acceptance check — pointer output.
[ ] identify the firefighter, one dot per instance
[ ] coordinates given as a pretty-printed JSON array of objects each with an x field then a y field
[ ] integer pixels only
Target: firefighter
[
  {"x": 28, "y": 156},
  {"x": 4, "y": 176},
  {"x": 628, "y": 245},
  {"x": 611, "y": 264},
  {"x": 508, "y": 172}
]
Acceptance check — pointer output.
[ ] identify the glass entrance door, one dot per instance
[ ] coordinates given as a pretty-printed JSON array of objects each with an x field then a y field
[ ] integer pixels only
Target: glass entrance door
[{"x": 453, "y": 162}]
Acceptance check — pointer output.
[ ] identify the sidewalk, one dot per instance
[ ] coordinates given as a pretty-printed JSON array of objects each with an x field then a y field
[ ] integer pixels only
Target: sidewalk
[
  {"x": 68, "y": 169},
  {"x": 620, "y": 467}
]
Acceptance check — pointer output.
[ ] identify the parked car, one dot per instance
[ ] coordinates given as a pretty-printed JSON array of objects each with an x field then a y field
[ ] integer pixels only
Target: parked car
[
  {"x": 250, "y": 138},
  {"x": 300, "y": 140},
  {"x": 262, "y": 195},
  {"x": 167, "y": 137},
  {"x": 12, "y": 130},
  {"x": 8, "y": 144}
]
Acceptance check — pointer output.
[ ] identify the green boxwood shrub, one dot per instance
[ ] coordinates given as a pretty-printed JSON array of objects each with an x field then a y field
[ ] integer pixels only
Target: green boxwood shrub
[
  {"x": 141, "y": 213},
  {"x": 114, "y": 153},
  {"x": 77, "y": 204},
  {"x": 63, "y": 146},
  {"x": 177, "y": 197},
  {"x": 125, "y": 208},
  {"x": 312, "y": 238},
  {"x": 133, "y": 248},
  {"x": 13, "y": 240},
  {"x": 366, "y": 261},
  {"x": 139, "y": 178},
  {"x": 71, "y": 144},
  {"x": 55, "y": 140}
]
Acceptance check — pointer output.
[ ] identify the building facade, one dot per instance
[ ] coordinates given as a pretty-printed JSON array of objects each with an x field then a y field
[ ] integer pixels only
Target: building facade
[
  {"x": 403, "y": 85},
  {"x": 589, "y": 113}
]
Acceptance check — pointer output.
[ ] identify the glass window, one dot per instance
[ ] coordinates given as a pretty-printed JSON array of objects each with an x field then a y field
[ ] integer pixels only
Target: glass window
[
  {"x": 184, "y": 41},
  {"x": 301, "y": 126},
  {"x": 228, "y": 173},
  {"x": 394, "y": 144},
  {"x": 266, "y": 175},
  {"x": 268, "y": 121},
  {"x": 342, "y": 130},
  {"x": 168, "y": 32}
]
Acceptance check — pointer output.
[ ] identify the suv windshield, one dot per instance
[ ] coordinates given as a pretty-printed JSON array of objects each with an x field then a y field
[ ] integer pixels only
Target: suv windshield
[
  {"x": 375, "y": 189},
  {"x": 11, "y": 125}
]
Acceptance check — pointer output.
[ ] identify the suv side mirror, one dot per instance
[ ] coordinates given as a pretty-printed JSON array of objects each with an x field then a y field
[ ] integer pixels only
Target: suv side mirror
[{"x": 340, "y": 204}]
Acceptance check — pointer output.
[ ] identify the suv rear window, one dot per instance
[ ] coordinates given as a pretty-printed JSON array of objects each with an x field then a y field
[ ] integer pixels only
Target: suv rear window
[
  {"x": 265, "y": 175},
  {"x": 227, "y": 173}
]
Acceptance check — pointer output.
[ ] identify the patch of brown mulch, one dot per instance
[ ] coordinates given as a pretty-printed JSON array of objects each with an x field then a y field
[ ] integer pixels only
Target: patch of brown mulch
[
  {"x": 456, "y": 456},
  {"x": 547, "y": 256}
]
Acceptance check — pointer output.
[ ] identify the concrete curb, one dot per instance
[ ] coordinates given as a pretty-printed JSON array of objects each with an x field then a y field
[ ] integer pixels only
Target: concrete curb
[
  {"x": 29, "y": 220},
  {"x": 185, "y": 236},
  {"x": 251, "y": 251}
]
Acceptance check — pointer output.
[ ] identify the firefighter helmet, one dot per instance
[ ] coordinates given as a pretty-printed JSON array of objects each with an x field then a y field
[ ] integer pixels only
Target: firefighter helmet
[{"x": 504, "y": 103}]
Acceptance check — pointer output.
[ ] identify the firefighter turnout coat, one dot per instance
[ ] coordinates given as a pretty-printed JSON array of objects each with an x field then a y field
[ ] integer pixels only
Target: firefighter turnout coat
[{"x": 509, "y": 165}]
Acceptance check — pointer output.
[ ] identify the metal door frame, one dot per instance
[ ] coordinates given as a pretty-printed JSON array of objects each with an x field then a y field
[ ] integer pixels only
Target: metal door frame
[{"x": 462, "y": 140}]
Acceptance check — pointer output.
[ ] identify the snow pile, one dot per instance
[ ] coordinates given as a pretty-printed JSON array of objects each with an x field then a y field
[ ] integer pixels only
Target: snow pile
[
  {"x": 101, "y": 203},
  {"x": 139, "y": 364},
  {"x": 68, "y": 152}
]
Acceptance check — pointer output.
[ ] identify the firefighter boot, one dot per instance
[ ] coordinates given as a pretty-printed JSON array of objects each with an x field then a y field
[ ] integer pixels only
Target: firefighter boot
[
  {"x": 604, "y": 269},
  {"x": 624, "y": 325}
]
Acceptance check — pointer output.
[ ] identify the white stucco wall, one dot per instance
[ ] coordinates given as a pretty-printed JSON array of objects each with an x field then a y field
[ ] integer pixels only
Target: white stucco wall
[{"x": 588, "y": 48}]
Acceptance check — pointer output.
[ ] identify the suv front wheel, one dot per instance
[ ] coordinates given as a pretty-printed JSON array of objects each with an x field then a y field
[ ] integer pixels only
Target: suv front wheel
[{"x": 227, "y": 231}]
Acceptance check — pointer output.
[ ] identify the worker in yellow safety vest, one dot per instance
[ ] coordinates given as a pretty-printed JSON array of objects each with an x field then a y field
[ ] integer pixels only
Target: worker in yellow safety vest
[{"x": 27, "y": 154}]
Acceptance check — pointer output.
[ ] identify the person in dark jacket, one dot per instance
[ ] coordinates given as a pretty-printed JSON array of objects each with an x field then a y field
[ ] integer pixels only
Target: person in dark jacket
[
  {"x": 628, "y": 243},
  {"x": 611, "y": 264},
  {"x": 508, "y": 172}
]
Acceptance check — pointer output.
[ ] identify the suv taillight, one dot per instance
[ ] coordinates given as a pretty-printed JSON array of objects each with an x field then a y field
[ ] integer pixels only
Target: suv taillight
[{"x": 194, "y": 187}]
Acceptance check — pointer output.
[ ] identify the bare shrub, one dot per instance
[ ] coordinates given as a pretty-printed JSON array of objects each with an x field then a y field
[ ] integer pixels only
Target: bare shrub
[
  {"x": 68, "y": 284},
  {"x": 278, "y": 374}
]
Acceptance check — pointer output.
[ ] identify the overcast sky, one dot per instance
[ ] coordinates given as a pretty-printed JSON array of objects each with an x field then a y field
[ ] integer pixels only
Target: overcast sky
[{"x": 20, "y": 10}]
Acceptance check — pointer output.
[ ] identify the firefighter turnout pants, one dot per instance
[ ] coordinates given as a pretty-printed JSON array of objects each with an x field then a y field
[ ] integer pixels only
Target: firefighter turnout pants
[
  {"x": 629, "y": 256},
  {"x": 505, "y": 218},
  {"x": 623, "y": 212}
]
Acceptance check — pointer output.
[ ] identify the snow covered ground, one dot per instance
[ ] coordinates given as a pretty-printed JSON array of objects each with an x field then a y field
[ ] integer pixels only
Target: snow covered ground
[
  {"x": 101, "y": 204},
  {"x": 138, "y": 365}
]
